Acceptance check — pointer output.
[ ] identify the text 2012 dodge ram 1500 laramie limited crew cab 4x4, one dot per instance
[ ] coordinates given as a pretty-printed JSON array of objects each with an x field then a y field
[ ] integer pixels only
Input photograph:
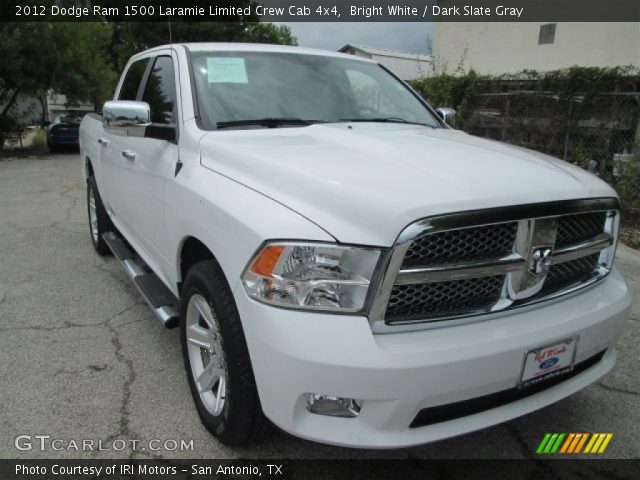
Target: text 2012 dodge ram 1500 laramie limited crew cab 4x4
[{"x": 340, "y": 262}]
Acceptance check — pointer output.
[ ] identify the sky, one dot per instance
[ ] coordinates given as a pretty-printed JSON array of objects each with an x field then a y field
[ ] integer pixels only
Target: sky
[{"x": 407, "y": 37}]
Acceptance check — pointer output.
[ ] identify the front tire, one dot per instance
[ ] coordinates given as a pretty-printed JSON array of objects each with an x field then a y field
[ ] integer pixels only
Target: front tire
[
  {"x": 217, "y": 359},
  {"x": 99, "y": 221}
]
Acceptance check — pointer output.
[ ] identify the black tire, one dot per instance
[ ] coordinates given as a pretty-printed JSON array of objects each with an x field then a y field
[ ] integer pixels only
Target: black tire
[
  {"x": 241, "y": 421},
  {"x": 103, "y": 221}
]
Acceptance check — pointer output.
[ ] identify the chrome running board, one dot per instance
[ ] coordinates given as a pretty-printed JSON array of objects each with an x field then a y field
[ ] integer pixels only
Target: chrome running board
[{"x": 162, "y": 302}]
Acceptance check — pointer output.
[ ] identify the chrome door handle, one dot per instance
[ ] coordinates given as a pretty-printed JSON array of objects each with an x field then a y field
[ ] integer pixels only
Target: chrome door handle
[
  {"x": 129, "y": 154},
  {"x": 103, "y": 141}
]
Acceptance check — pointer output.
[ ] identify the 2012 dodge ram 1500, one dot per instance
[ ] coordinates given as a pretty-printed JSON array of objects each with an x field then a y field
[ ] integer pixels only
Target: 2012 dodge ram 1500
[{"x": 339, "y": 261}]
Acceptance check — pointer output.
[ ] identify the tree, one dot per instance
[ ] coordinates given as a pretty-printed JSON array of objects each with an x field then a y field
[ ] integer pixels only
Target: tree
[
  {"x": 90, "y": 75},
  {"x": 38, "y": 58},
  {"x": 20, "y": 73},
  {"x": 269, "y": 33}
]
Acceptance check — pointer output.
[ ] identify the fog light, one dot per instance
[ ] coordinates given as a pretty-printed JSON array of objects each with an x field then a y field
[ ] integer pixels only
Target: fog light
[{"x": 333, "y": 406}]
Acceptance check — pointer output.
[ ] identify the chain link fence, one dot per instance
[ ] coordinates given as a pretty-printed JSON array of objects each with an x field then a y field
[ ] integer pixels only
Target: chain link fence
[{"x": 589, "y": 130}]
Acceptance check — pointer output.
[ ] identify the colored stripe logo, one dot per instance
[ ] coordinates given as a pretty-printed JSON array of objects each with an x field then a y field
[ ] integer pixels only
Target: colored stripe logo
[{"x": 569, "y": 443}]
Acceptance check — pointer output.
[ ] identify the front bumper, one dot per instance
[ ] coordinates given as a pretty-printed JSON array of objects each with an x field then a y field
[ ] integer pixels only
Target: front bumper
[{"x": 398, "y": 374}]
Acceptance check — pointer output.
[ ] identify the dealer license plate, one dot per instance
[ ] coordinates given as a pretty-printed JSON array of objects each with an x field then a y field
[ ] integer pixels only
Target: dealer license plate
[{"x": 548, "y": 362}]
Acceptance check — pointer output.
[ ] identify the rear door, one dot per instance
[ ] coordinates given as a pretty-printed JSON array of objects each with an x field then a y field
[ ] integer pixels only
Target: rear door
[{"x": 144, "y": 162}]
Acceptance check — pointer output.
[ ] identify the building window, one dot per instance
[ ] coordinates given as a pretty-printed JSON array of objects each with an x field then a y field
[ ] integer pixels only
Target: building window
[{"x": 547, "y": 33}]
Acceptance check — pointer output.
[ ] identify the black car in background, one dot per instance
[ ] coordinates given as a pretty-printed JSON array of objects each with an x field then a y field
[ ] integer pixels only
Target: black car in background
[{"x": 63, "y": 131}]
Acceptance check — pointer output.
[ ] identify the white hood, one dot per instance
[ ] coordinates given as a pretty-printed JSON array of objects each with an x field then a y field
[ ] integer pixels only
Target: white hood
[{"x": 364, "y": 182}]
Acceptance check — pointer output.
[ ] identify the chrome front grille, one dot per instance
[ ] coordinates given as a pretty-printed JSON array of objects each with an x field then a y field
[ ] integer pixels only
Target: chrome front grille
[
  {"x": 564, "y": 274},
  {"x": 473, "y": 243},
  {"x": 451, "y": 297},
  {"x": 471, "y": 263},
  {"x": 578, "y": 228}
]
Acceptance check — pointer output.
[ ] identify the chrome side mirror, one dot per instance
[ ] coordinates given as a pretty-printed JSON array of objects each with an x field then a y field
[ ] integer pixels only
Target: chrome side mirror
[
  {"x": 448, "y": 115},
  {"x": 126, "y": 118}
]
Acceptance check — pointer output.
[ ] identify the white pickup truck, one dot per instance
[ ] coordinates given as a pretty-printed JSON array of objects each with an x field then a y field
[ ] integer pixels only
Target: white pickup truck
[{"x": 339, "y": 261}]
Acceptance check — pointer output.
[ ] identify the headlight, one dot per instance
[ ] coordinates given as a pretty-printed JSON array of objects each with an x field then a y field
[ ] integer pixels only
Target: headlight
[{"x": 311, "y": 276}]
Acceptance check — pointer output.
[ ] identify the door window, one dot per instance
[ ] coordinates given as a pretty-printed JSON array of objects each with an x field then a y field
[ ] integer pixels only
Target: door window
[
  {"x": 132, "y": 80},
  {"x": 160, "y": 91}
]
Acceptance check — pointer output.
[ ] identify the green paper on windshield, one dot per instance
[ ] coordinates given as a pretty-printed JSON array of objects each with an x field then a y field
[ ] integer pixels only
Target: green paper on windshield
[{"x": 226, "y": 70}]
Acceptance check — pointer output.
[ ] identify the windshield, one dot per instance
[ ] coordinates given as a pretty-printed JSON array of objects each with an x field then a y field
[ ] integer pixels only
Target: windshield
[{"x": 244, "y": 86}]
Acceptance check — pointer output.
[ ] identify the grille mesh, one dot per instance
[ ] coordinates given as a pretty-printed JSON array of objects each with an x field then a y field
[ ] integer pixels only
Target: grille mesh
[
  {"x": 563, "y": 274},
  {"x": 580, "y": 227},
  {"x": 454, "y": 246},
  {"x": 452, "y": 297}
]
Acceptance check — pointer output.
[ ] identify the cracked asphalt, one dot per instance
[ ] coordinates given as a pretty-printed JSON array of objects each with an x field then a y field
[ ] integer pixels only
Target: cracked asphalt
[{"x": 82, "y": 357}]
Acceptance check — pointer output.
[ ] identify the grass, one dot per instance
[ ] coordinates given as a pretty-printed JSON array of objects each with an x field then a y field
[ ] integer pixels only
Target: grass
[{"x": 39, "y": 139}]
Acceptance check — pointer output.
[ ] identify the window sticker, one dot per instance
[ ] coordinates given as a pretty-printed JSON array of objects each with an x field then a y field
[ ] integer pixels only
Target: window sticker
[{"x": 226, "y": 70}]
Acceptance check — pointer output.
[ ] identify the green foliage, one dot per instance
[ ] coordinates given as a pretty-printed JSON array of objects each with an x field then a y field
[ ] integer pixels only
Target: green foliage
[
  {"x": 588, "y": 80},
  {"x": 39, "y": 139},
  {"x": 453, "y": 91},
  {"x": 627, "y": 183},
  {"x": 88, "y": 75},
  {"x": 458, "y": 90},
  {"x": 440, "y": 90},
  {"x": 60, "y": 57},
  {"x": 269, "y": 33},
  {"x": 634, "y": 241}
]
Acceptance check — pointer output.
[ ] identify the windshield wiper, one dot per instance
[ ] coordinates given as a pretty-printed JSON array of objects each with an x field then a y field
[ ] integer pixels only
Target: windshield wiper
[
  {"x": 386, "y": 120},
  {"x": 266, "y": 122}
]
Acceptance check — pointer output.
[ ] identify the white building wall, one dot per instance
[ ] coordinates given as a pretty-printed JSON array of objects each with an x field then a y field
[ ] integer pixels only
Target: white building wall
[{"x": 496, "y": 48}]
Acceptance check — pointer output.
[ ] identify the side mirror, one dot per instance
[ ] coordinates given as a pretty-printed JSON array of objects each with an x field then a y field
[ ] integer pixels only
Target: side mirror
[
  {"x": 133, "y": 119},
  {"x": 126, "y": 118},
  {"x": 448, "y": 115}
]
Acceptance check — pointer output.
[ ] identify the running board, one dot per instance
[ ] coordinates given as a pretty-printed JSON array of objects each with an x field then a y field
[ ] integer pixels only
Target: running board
[{"x": 157, "y": 295}]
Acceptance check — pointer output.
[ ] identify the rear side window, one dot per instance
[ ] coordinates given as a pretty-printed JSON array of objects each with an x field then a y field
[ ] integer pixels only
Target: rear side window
[
  {"x": 160, "y": 91},
  {"x": 132, "y": 80}
]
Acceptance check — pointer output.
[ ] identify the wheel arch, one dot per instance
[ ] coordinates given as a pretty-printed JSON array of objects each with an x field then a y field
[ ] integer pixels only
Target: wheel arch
[
  {"x": 191, "y": 251},
  {"x": 88, "y": 168}
]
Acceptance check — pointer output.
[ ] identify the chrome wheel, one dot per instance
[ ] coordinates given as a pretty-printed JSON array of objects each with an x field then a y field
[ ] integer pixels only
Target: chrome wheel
[
  {"x": 93, "y": 216},
  {"x": 207, "y": 359}
]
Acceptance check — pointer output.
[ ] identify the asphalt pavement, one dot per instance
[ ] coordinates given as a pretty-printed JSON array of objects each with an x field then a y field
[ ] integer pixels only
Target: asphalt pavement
[{"x": 83, "y": 358}]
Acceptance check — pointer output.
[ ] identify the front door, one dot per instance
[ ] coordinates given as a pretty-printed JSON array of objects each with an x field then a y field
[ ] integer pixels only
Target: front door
[{"x": 145, "y": 162}]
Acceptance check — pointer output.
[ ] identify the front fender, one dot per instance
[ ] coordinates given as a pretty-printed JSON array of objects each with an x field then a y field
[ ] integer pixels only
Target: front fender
[{"x": 231, "y": 219}]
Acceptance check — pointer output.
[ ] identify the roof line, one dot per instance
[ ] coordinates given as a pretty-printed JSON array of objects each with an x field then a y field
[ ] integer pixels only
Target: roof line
[{"x": 386, "y": 52}]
